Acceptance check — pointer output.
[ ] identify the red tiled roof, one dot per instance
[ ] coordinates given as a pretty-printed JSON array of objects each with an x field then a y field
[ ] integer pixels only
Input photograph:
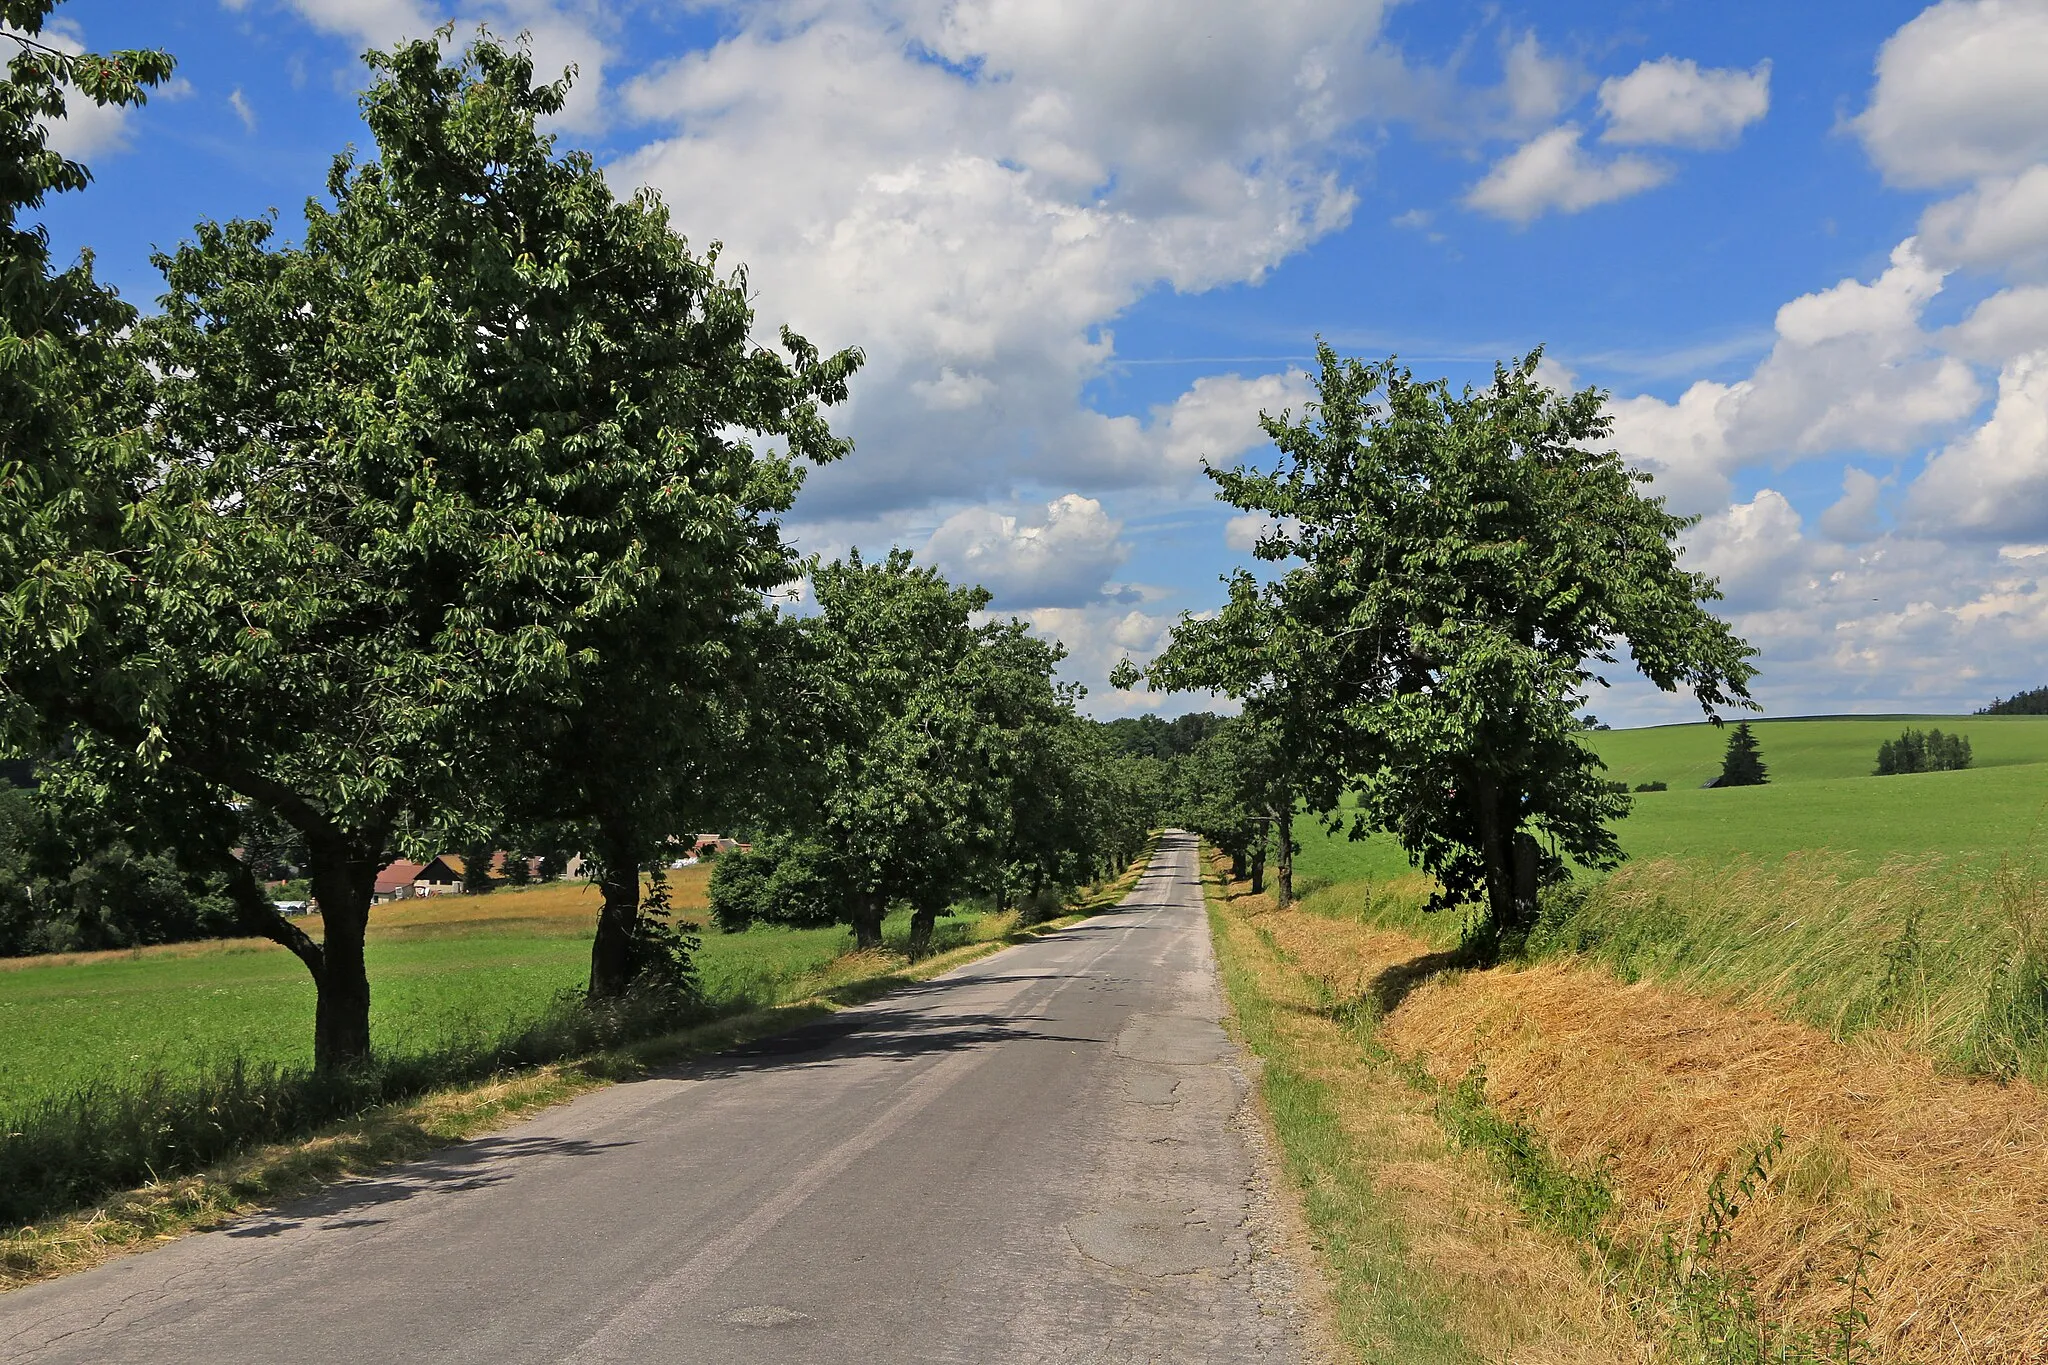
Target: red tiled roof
[{"x": 400, "y": 873}]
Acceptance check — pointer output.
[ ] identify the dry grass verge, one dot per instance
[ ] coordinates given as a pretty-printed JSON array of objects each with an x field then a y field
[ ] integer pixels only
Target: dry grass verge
[
  {"x": 1426, "y": 1254},
  {"x": 164, "y": 1211},
  {"x": 1945, "y": 1177}
]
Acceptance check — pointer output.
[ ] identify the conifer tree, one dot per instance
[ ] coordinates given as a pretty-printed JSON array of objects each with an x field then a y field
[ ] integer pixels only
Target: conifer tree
[{"x": 1743, "y": 765}]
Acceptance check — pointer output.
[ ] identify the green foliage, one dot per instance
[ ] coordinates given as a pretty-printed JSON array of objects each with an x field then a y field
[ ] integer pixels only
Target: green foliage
[
  {"x": 1743, "y": 764},
  {"x": 2033, "y": 702},
  {"x": 1228, "y": 789},
  {"x": 945, "y": 759},
  {"x": 72, "y": 886},
  {"x": 271, "y": 849},
  {"x": 476, "y": 868},
  {"x": 1457, "y": 567},
  {"x": 1916, "y": 751},
  {"x": 662, "y": 952},
  {"x": 1153, "y": 736},
  {"x": 780, "y": 880},
  {"x": 459, "y": 466},
  {"x": 1262, "y": 653}
]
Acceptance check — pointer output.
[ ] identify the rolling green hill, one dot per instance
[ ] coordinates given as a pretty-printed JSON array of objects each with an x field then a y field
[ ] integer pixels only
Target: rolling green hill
[{"x": 1820, "y": 796}]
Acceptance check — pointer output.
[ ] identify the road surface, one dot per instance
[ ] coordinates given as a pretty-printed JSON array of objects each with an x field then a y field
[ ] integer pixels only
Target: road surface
[{"x": 1042, "y": 1156}]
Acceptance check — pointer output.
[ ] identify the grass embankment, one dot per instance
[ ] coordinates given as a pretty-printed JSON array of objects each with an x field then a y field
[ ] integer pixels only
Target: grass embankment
[
  {"x": 95, "y": 1135},
  {"x": 1869, "y": 1206},
  {"x": 1426, "y": 1255}
]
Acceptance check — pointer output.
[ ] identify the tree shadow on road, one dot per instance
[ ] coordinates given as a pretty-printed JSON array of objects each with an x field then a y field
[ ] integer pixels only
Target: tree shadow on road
[{"x": 473, "y": 1165}]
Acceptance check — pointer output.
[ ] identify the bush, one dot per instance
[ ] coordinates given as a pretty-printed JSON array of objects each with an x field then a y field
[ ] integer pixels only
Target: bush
[
  {"x": 780, "y": 881},
  {"x": 1914, "y": 752},
  {"x": 1651, "y": 787},
  {"x": 64, "y": 890}
]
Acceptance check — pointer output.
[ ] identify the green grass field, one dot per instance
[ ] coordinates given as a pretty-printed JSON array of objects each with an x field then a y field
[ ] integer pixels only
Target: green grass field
[
  {"x": 1821, "y": 796},
  {"x": 440, "y": 971}
]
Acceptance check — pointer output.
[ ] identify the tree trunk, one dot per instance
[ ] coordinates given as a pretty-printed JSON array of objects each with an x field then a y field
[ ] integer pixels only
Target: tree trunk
[
  {"x": 258, "y": 915},
  {"x": 344, "y": 878},
  {"x": 867, "y": 920},
  {"x": 1258, "y": 868},
  {"x": 1526, "y": 862},
  {"x": 1283, "y": 832},
  {"x": 1497, "y": 828},
  {"x": 922, "y": 920},
  {"x": 618, "y": 920}
]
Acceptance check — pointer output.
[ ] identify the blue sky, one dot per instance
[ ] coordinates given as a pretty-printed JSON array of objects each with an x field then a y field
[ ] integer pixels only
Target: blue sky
[{"x": 1804, "y": 247}]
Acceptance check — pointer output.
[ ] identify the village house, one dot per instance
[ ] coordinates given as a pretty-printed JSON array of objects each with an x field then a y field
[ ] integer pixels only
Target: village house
[{"x": 395, "y": 882}]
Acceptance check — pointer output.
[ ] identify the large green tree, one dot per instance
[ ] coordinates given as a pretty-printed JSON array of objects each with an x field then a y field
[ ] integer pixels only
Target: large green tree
[
  {"x": 409, "y": 487},
  {"x": 1457, "y": 568},
  {"x": 909, "y": 790}
]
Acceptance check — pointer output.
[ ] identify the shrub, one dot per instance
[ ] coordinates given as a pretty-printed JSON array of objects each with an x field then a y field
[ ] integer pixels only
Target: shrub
[
  {"x": 1651, "y": 787},
  {"x": 780, "y": 881}
]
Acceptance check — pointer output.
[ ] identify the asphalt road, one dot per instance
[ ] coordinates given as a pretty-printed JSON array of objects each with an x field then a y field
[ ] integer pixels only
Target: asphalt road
[{"x": 1043, "y": 1156}]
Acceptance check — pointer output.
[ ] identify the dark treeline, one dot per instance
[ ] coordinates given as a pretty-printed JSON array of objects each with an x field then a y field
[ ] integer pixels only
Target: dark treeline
[{"x": 2032, "y": 702}]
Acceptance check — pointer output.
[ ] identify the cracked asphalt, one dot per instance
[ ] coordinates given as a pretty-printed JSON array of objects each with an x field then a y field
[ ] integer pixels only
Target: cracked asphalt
[{"x": 1044, "y": 1156}]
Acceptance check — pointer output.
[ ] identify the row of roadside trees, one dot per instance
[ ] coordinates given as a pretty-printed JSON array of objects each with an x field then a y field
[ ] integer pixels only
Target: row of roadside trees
[{"x": 459, "y": 515}]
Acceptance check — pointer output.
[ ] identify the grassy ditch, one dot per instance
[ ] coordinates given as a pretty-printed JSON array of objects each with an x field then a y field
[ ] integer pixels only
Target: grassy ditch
[
  {"x": 1749, "y": 1187},
  {"x": 1426, "y": 1255},
  {"x": 1951, "y": 966},
  {"x": 1955, "y": 966},
  {"x": 200, "y": 1147}
]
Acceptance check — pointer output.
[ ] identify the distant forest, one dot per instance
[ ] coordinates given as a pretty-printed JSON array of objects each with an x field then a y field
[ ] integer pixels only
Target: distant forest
[{"x": 2034, "y": 703}]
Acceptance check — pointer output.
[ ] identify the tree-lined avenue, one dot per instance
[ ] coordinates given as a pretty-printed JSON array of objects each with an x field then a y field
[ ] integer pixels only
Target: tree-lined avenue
[{"x": 1043, "y": 1156}]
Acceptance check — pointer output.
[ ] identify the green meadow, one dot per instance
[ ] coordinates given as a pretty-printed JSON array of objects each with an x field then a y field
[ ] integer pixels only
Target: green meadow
[
  {"x": 441, "y": 971},
  {"x": 1821, "y": 797}
]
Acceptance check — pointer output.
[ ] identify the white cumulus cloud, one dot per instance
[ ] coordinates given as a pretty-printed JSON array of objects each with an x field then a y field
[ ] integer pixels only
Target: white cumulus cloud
[
  {"x": 971, "y": 191},
  {"x": 1062, "y": 560},
  {"x": 1994, "y": 480},
  {"x": 1552, "y": 171},
  {"x": 1850, "y": 370},
  {"x": 1673, "y": 102},
  {"x": 1960, "y": 93},
  {"x": 561, "y": 33},
  {"x": 2000, "y": 225},
  {"x": 2007, "y": 324}
]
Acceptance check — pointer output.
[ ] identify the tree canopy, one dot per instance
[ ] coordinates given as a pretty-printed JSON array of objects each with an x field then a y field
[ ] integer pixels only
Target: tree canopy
[
  {"x": 431, "y": 477},
  {"x": 1454, "y": 568}
]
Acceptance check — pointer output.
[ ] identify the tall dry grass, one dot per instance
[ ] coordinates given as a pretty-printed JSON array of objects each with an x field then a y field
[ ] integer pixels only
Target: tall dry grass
[{"x": 1955, "y": 966}]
